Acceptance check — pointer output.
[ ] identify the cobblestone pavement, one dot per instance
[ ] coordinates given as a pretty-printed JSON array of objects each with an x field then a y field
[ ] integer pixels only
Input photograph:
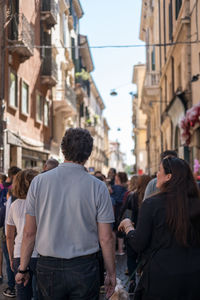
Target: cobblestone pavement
[{"x": 121, "y": 267}]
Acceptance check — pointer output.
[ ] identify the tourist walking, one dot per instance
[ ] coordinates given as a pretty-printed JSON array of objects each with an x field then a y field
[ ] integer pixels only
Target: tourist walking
[
  {"x": 68, "y": 211},
  {"x": 133, "y": 204},
  {"x": 117, "y": 192},
  {"x": 12, "y": 171},
  {"x": 15, "y": 227},
  {"x": 167, "y": 236}
]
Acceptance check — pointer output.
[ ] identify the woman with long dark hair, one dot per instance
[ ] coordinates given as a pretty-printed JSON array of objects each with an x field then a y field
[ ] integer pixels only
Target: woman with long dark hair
[
  {"x": 168, "y": 236},
  {"x": 133, "y": 204}
]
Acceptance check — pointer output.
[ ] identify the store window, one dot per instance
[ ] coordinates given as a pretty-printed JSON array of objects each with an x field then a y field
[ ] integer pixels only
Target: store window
[
  {"x": 13, "y": 90},
  {"x": 25, "y": 98},
  {"x": 33, "y": 159}
]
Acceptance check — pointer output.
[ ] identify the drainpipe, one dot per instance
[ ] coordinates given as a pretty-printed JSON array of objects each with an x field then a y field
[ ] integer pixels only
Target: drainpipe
[{"x": 2, "y": 88}]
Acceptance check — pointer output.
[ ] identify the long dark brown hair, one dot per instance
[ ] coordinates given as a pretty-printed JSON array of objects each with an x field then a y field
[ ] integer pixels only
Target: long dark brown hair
[
  {"x": 183, "y": 201},
  {"x": 141, "y": 185}
]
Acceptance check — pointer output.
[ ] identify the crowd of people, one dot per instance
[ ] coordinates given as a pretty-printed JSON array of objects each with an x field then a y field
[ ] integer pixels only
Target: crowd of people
[{"x": 61, "y": 228}]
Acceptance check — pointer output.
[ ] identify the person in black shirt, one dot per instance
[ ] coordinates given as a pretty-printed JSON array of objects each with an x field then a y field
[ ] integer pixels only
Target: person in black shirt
[{"x": 168, "y": 236}]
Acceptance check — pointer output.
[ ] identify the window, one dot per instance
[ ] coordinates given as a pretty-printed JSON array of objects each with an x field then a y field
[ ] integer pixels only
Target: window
[
  {"x": 46, "y": 113},
  {"x": 39, "y": 108},
  {"x": 25, "y": 98},
  {"x": 65, "y": 26},
  {"x": 170, "y": 21},
  {"x": 13, "y": 90},
  {"x": 73, "y": 49},
  {"x": 63, "y": 29},
  {"x": 178, "y": 7},
  {"x": 179, "y": 79},
  {"x": 153, "y": 62}
]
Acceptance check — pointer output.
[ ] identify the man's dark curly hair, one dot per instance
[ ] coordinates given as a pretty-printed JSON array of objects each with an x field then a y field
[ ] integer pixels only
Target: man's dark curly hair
[{"x": 77, "y": 145}]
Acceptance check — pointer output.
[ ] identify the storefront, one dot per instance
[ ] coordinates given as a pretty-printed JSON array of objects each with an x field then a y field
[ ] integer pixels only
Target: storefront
[
  {"x": 33, "y": 159},
  {"x": 23, "y": 152}
]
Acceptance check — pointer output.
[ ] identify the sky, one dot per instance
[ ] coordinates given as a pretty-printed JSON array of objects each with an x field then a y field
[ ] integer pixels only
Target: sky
[{"x": 115, "y": 22}]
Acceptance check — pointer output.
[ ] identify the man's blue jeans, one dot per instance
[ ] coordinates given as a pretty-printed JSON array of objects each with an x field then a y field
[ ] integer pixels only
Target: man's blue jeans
[
  {"x": 68, "y": 279},
  {"x": 10, "y": 274}
]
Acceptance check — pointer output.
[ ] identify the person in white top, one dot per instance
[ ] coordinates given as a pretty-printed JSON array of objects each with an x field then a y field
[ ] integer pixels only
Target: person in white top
[{"x": 15, "y": 227}]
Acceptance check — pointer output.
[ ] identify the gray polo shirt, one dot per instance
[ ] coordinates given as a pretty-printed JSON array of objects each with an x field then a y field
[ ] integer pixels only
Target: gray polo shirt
[
  {"x": 151, "y": 188},
  {"x": 68, "y": 203}
]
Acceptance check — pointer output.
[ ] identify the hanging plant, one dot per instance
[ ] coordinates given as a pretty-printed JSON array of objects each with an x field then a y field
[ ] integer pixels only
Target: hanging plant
[
  {"x": 88, "y": 122},
  {"x": 84, "y": 75}
]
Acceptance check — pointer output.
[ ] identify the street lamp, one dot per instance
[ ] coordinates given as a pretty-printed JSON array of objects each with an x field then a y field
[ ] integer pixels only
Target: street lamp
[
  {"x": 113, "y": 93},
  {"x": 195, "y": 78}
]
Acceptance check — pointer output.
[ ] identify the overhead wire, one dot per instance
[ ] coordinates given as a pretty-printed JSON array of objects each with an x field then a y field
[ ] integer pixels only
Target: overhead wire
[{"x": 113, "y": 46}]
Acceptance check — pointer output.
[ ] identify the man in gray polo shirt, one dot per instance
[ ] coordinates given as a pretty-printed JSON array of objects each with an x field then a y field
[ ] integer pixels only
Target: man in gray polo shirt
[
  {"x": 151, "y": 186},
  {"x": 68, "y": 212}
]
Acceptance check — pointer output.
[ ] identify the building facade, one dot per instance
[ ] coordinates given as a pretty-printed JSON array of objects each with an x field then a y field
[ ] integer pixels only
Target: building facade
[
  {"x": 46, "y": 86},
  {"x": 170, "y": 31},
  {"x": 139, "y": 121},
  {"x": 117, "y": 157},
  {"x": 29, "y": 76}
]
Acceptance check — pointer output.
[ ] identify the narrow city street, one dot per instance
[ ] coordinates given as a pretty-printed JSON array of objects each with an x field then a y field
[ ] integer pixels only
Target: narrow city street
[{"x": 100, "y": 146}]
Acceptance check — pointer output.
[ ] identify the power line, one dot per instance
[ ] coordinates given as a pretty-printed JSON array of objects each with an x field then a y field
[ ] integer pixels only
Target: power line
[{"x": 110, "y": 46}]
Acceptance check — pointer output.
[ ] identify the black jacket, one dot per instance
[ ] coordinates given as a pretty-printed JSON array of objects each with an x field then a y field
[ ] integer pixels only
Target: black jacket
[{"x": 171, "y": 271}]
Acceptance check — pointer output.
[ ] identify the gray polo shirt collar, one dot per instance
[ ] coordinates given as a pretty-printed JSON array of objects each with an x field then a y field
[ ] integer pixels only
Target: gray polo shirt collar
[{"x": 71, "y": 165}]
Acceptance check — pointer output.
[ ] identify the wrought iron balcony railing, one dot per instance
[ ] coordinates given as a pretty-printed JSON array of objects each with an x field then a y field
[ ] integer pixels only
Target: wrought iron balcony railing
[
  {"x": 49, "y": 70},
  {"x": 49, "y": 12},
  {"x": 152, "y": 79},
  {"x": 21, "y": 36}
]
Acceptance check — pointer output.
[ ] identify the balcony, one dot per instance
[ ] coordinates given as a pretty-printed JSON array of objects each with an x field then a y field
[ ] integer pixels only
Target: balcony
[
  {"x": 151, "y": 86},
  {"x": 49, "y": 70},
  {"x": 65, "y": 101},
  {"x": 152, "y": 79},
  {"x": 21, "y": 37},
  {"x": 49, "y": 13},
  {"x": 91, "y": 129}
]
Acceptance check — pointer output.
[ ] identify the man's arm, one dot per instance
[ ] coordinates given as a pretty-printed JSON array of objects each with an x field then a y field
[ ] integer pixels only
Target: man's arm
[
  {"x": 106, "y": 241},
  {"x": 28, "y": 243}
]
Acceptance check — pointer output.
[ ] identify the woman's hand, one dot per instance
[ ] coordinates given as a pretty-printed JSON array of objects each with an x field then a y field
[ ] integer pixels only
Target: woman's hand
[
  {"x": 22, "y": 278},
  {"x": 126, "y": 225}
]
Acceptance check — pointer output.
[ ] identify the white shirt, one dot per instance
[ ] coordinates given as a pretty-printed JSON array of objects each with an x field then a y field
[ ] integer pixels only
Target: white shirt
[
  {"x": 7, "y": 204},
  {"x": 16, "y": 217}
]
